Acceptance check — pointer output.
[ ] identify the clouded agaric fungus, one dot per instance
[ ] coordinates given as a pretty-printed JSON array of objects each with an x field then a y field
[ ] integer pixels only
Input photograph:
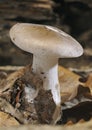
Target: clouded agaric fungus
[{"x": 47, "y": 44}]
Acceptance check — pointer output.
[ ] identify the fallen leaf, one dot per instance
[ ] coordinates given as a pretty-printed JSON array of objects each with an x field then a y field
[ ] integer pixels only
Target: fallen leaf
[
  {"x": 7, "y": 120},
  {"x": 6, "y": 107},
  {"x": 89, "y": 82},
  {"x": 69, "y": 83},
  {"x": 69, "y": 123}
]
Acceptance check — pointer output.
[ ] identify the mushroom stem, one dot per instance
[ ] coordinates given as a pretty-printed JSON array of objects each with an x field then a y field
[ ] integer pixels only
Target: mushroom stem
[
  {"x": 47, "y": 69},
  {"x": 51, "y": 83}
]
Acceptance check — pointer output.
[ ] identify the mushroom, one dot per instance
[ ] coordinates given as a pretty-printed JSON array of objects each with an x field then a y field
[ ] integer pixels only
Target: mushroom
[{"x": 47, "y": 44}]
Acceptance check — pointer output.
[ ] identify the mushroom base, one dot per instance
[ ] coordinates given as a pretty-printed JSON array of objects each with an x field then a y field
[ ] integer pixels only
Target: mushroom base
[
  {"x": 24, "y": 92},
  {"x": 47, "y": 69}
]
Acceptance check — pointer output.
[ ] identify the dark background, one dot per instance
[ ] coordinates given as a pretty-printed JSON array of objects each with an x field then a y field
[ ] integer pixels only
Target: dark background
[{"x": 72, "y": 16}]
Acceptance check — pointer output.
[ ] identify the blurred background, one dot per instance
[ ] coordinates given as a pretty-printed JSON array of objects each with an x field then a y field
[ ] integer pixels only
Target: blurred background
[{"x": 72, "y": 16}]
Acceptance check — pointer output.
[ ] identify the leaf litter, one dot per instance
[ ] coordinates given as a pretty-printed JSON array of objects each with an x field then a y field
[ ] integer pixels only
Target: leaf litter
[{"x": 76, "y": 95}]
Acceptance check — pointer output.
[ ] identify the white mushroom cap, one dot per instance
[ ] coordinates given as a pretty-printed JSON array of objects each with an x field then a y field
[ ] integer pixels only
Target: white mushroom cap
[{"x": 42, "y": 39}]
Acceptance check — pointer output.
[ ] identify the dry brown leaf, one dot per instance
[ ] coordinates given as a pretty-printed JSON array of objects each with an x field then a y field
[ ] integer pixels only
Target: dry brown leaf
[
  {"x": 9, "y": 81},
  {"x": 81, "y": 121},
  {"x": 69, "y": 82},
  {"x": 89, "y": 82},
  {"x": 7, "y": 120},
  {"x": 8, "y": 108},
  {"x": 69, "y": 123}
]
